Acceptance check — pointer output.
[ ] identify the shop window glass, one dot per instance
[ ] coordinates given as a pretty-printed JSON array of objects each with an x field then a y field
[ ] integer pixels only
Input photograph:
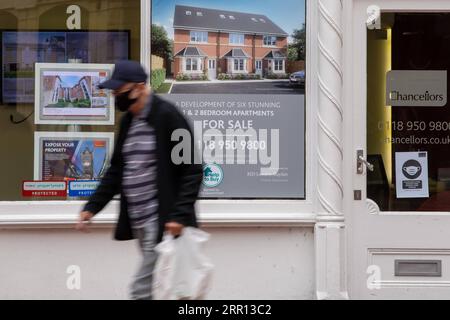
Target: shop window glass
[
  {"x": 93, "y": 32},
  {"x": 408, "y": 117}
]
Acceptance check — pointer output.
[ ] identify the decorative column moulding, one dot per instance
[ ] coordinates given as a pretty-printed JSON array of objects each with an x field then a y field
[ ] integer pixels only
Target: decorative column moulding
[
  {"x": 330, "y": 110},
  {"x": 330, "y": 244}
]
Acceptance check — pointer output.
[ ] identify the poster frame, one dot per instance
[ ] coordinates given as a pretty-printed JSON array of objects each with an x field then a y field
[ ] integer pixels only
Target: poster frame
[
  {"x": 75, "y": 67},
  {"x": 37, "y": 174}
]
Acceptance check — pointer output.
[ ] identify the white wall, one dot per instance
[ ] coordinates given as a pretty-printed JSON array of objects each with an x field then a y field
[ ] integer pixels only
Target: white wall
[{"x": 251, "y": 263}]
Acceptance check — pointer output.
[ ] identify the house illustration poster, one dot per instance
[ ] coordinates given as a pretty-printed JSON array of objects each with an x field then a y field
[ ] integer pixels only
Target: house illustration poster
[{"x": 213, "y": 41}]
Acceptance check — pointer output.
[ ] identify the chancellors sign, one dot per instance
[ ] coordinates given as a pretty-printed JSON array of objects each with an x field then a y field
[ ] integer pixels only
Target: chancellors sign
[{"x": 416, "y": 88}]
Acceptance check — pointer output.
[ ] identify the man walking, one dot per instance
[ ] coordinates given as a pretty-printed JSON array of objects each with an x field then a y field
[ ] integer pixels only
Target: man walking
[{"x": 156, "y": 194}]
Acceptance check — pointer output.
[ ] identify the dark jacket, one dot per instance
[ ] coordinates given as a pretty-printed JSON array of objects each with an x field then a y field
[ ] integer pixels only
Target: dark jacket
[{"x": 178, "y": 185}]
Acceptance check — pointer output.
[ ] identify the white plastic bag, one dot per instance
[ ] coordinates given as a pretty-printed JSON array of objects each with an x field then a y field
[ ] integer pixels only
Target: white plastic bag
[{"x": 182, "y": 271}]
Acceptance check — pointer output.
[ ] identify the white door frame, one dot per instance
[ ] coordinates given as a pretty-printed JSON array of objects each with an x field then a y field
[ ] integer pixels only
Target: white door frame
[
  {"x": 212, "y": 73},
  {"x": 376, "y": 237},
  {"x": 145, "y": 50},
  {"x": 258, "y": 70}
]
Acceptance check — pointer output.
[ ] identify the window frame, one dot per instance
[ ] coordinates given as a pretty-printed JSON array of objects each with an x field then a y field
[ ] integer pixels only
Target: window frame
[
  {"x": 199, "y": 36},
  {"x": 198, "y": 64},
  {"x": 278, "y": 63},
  {"x": 188, "y": 64},
  {"x": 195, "y": 64},
  {"x": 239, "y": 62},
  {"x": 270, "y": 45},
  {"x": 223, "y": 212},
  {"x": 234, "y": 35}
]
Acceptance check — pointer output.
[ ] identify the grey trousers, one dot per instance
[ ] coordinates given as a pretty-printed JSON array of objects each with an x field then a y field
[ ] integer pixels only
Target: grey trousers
[{"x": 141, "y": 287}]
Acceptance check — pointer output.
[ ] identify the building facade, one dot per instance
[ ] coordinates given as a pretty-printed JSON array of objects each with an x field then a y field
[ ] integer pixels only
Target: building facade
[
  {"x": 213, "y": 42},
  {"x": 357, "y": 234}
]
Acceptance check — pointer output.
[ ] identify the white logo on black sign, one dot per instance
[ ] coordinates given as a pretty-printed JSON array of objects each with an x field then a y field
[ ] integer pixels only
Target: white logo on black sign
[{"x": 411, "y": 169}]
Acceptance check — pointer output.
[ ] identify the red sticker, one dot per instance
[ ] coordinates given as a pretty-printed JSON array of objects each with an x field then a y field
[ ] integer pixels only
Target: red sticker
[
  {"x": 99, "y": 143},
  {"x": 44, "y": 189}
]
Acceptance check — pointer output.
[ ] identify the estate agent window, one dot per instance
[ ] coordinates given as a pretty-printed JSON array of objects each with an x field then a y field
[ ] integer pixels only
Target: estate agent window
[
  {"x": 65, "y": 131},
  {"x": 408, "y": 115},
  {"x": 249, "y": 121}
]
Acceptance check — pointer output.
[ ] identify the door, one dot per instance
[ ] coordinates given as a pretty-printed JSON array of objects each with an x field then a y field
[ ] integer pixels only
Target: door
[
  {"x": 399, "y": 225},
  {"x": 258, "y": 67},
  {"x": 212, "y": 69}
]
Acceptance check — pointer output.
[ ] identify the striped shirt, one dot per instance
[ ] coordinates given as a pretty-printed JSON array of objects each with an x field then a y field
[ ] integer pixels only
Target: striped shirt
[{"x": 139, "y": 175}]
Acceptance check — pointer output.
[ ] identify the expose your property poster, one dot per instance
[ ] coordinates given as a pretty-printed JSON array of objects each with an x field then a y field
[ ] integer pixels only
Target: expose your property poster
[
  {"x": 71, "y": 155},
  {"x": 237, "y": 72}
]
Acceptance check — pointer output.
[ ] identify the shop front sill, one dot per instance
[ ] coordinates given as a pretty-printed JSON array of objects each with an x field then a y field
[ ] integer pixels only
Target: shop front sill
[{"x": 211, "y": 213}]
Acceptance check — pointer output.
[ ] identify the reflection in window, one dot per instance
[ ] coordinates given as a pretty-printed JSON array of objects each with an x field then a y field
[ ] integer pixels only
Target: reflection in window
[{"x": 44, "y": 38}]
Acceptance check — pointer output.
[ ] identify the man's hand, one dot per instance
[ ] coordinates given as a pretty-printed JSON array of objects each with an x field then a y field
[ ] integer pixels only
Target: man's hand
[
  {"x": 174, "y": 228},
  {"x": 83, "y": 221}
]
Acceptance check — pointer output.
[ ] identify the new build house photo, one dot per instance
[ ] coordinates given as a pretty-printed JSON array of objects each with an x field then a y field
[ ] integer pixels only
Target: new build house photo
[
  {"x": 222, "y": 43},
  {"x": 215, "y": 48}
]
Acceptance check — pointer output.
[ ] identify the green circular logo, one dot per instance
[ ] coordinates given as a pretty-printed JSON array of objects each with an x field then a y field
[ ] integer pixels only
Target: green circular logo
[{"x": 212, "y": 175}]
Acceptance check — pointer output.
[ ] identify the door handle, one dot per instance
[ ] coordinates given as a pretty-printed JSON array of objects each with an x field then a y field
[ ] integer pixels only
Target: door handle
[{"x": 361, "y": 162}]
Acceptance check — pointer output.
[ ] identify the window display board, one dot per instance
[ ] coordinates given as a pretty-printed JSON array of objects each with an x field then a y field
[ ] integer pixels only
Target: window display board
[
  {"x": 69, "y": 94},
  {"x": 66, "y": 156}
]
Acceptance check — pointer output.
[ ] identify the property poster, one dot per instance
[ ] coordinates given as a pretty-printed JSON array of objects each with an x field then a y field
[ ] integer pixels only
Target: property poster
[
  {"x": 236, "y": 70},
  {"x": 69, "y": 94},
  {"x": 411, "y": 171},
  {"x": 66, "y": 156}
]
